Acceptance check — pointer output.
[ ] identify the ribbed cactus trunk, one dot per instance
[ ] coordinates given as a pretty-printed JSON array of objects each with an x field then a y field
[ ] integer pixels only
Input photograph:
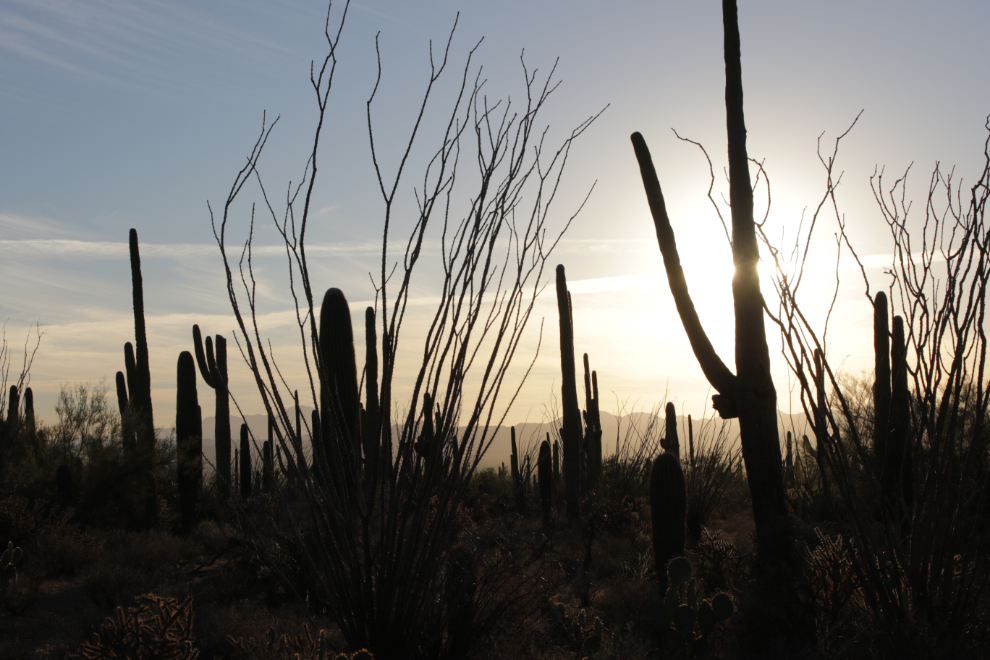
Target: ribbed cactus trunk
[
  {"x": 556, "y": 459},
  {"x": 140, "y": 382},
  {"x": 898, "y": 469},
  {"x": 188, "y": 440},
  {"x": 213, "y": 369},
  {"x": 789, "y": 459},
  {"x": 29, "y": 425},
  {"x": 245, "y": 463},
  {"x": 691, "y": 443},
  {"x": 267, "y": 459},
  {"x": 376, "y": 464},
  {"x": 544, "y": 474},
  {"x": 339, "y": 401},
  {"x": 881, "y": 382},
  {"x": 571, "y": 430},
  {"x": 668, "y": 505},
  {"x": 297, "y": 440},
  {"x": 749, "y": 394},
  {"x": 670, "y": 440},
  {"x": 593, "y": 424}
]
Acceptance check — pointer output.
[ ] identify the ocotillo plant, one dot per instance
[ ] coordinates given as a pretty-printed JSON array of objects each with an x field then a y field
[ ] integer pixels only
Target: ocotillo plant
[
  {"x": 188, "y": 439},
  {"x": 670, "y": 441},
  {"x": 245, "y": 463},
  {"x": 545, "y": 477},
  {"x": 571, "y": 431},
  {"x": 668, "y": 503},
  {"x": 749, "y": 394},
  {"x": 593, "y": 424},
  {"x": 139, "y": 384},
  {"x": 213, "y": 369}
]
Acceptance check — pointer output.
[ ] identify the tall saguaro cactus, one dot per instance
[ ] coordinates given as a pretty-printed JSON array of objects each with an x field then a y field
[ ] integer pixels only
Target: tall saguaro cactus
[
  {"x": 213, "y": 369},
  {"x": 188, "y": 439},
  {"x": 339, "y": 401},
  {"x": 140, "y": 383},
  {"x": 592, "y": 423},
  {"x": 571, "y": 431},
  {"x": 670, "y": 440},
  {"x": 748, "y": 394},
  {"x": 668, "y": 506}
]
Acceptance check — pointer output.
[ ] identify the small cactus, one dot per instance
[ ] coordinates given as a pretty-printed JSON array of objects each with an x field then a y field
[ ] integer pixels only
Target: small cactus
[
  {"x": 10, "y": 563},
  {"x": 680, "y": 619},
  {"x": 188, "y": 439}
]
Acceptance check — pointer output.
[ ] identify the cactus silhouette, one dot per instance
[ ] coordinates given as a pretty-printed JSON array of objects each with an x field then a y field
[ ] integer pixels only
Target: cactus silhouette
[
  {"x": 691, "y": 443},
  {"x": 136, "y": 361},
  {"x": 377, "y": 462},
  {"x": 339, "y": 402},
  {"x": 188, "y": 439},
  {"x": 544, "y": 474},
  {"x": 668, "y": 504},
  {"x": 901, "y": 465},
  {"x": 245, "y": 463},
  {"x": 670, "y": 441},
  {"x": 593, "y": 424},
  {"x": 749, "y": 394},
  {"x": 571, "y": 431},
  {"x": 213, "y": 369},
  {"x": 267, "y": 460}
]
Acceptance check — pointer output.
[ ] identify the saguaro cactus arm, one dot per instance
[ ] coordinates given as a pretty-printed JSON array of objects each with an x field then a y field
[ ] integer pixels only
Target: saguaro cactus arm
[{"x": 719, "y": 375}]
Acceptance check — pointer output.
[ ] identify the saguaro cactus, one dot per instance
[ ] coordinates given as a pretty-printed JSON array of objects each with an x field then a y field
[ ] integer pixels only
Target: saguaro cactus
[
  {"x": 544, "y": 474},
  {"x": 188, "y": 439},
  {"x": 376, "y": 463},
  {"x": 670, "y": 441},
  {"x": 691, "y": 443},
  {"x": 245, "y": 466},
  {"x": 339, "y": 402},
  {"x": 140, "y": 382},
  {"x": 881, "y": 382},
  {"x": 571, "y": 431},
  {"x": 898, "y": 467},
  {"x": 668, "y": 504},
  {"x": 592, "y": 423},
  {"x": 213, "y": 369},
  {"x": 749, "y": 394},
  {"x": 267, "y": 460}
]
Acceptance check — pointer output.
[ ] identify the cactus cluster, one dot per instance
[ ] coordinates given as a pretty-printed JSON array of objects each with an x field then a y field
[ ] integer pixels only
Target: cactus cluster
[
  {"x": 586, "y": 636},
  {"x": 213, "y": 368},
  {"x": 682, "y": 621},
  {"x": 570, "y": 433},
  {"x": 134, "y": 389},
  {"x": 10, "y": 564}
]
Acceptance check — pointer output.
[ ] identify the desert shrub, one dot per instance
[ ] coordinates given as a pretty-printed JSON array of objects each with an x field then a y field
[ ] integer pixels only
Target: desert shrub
[
  {"x": 153, "y": 629},
  {"x": 710, "y": 472}
]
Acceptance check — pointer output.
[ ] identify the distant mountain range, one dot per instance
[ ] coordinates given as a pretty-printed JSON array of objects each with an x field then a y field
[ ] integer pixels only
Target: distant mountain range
[{"x": 623, "y": 429}]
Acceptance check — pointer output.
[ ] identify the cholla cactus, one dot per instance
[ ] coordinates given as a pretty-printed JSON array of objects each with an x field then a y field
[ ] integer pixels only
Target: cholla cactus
[{"x": 10, "y": 562}]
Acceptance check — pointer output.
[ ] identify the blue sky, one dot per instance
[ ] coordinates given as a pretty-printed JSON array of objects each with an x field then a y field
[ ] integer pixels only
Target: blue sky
[{"x": 134, "y": 114}]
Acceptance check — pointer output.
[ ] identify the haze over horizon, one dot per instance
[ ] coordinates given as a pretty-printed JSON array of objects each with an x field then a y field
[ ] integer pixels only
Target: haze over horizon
[{"x": 123, "y": 115}]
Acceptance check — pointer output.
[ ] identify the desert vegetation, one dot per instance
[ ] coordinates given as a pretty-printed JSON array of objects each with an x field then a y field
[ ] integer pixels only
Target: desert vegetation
[{"x": 355, "y": 525}]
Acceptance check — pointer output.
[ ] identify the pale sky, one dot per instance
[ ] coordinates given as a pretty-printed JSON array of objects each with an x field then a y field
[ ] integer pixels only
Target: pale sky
[{"x": 134, "y": 114}]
